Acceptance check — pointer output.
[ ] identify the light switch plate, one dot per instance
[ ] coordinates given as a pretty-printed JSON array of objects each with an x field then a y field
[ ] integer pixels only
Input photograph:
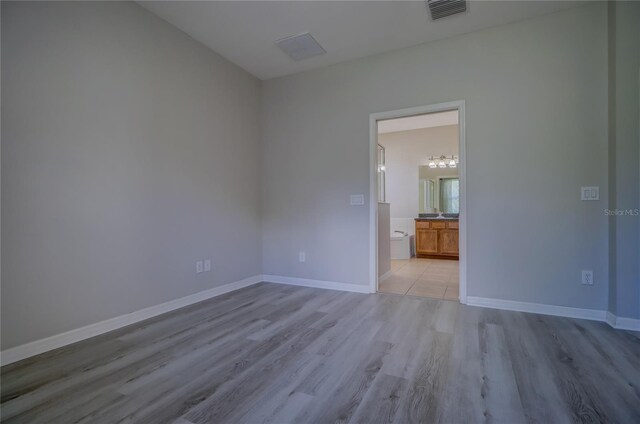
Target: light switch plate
[
  {"x": 587, "y": 277},
  {"x": 207, "y": 265},
  {"x": 590, "y": 193},
  {"x": 199, "y": 267},
  {"x": 357, "y": 199}
]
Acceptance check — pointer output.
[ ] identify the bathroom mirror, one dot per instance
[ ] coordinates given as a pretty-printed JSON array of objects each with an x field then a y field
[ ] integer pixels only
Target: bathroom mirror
[
  {"x": 427, "y": 196},
  {"x": 438, "y": 190}
]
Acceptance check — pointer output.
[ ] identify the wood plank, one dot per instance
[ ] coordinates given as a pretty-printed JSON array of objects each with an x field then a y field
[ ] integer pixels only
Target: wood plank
[
  {"x": 339, "y": 404},
  {"x": 541, "y": 400},
  {"x": 499, "y": 388},
  {"x": 382, "y": 401},
  {"x": 578, "y": 394},
  {"x": 426, "y": 392}
]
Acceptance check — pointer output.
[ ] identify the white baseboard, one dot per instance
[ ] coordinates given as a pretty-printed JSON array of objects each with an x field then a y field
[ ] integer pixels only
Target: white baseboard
[
  {"x": 320, "y": 284},
  {"x": 37, "y": 347},
  {"x": 537, "y": 308},
  {"x": 622, "y": 323},
  {"x": 627, "y": 324}
]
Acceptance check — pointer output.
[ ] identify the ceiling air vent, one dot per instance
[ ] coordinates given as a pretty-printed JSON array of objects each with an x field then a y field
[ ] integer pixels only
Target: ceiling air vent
[
  {"x": 301, "y": 46},
  {"x": 442, "y": 8}
]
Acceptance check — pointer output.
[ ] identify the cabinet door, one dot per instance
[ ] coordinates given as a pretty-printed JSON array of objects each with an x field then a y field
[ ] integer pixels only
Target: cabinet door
[
  {"x": 448, "y": 242},
  {"x": 426, "y": 241}
]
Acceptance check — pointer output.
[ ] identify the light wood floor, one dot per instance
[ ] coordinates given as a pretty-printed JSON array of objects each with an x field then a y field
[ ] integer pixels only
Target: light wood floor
[{"x": 276, "y": 354}]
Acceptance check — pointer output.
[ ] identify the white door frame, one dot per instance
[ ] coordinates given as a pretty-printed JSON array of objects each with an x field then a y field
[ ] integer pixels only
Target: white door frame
[{"x": 373, "y": 185}]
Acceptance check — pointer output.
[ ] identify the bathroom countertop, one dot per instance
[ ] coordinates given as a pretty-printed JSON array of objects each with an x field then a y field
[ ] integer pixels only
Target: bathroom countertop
[{"x": 437, "y": 218}]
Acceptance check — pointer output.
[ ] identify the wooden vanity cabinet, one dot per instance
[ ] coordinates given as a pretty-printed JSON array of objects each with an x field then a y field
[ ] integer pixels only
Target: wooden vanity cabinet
[{"x": 437, "y": 239}]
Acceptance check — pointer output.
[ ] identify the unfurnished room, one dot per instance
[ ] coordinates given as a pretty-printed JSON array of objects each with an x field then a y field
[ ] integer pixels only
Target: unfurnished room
[{"x": 314, "y": 212}]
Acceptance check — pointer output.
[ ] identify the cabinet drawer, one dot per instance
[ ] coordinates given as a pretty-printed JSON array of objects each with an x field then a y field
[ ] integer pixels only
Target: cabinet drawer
[
  {"x": 452, "y": 225},
  {"x": 422, "y": 224},
  {"x": 438, "y": 225}
]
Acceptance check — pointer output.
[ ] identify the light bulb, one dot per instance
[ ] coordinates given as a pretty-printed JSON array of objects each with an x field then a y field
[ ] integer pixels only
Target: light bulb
[
  {"x": 452, "y": 163},
  {"x": 383, "y": 168},
  {"x": 432, "y": 164},
  {"x": 441, "y": 164}
]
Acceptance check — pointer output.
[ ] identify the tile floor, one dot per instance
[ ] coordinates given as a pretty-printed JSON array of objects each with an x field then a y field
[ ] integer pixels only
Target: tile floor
[{"x": 435, "y": 278}]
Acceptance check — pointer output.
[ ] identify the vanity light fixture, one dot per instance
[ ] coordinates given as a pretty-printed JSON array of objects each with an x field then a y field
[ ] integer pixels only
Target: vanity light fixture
[{"x": 443, "y": 162}]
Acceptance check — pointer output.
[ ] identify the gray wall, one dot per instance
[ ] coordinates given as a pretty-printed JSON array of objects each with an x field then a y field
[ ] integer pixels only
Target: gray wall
[
  {"x": 129, "y": 151},
  {"x": 536, "y": 97},
  {"x": 624, "y": 62}
]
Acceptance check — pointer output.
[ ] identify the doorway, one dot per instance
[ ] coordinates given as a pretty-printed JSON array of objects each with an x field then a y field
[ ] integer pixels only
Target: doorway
[{"x": 430, "y": 240}]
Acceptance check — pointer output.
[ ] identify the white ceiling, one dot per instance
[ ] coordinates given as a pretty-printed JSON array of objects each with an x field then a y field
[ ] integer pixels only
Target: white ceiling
[
  {"x": 416, "y": 122},
  {"x": 245, "y": 31}
]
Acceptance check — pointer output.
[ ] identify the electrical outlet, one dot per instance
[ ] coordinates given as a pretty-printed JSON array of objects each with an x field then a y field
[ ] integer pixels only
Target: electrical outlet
[
  {"x": 302, "y": 256},
  {"x": 199, "y": 267},
  {"x": 207, "y": 265},
  {"x": 587, "y": 277}
]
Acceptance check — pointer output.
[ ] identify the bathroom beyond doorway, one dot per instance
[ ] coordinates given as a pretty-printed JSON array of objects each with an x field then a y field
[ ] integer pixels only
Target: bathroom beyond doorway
[{"x": 420, "y": 194}]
